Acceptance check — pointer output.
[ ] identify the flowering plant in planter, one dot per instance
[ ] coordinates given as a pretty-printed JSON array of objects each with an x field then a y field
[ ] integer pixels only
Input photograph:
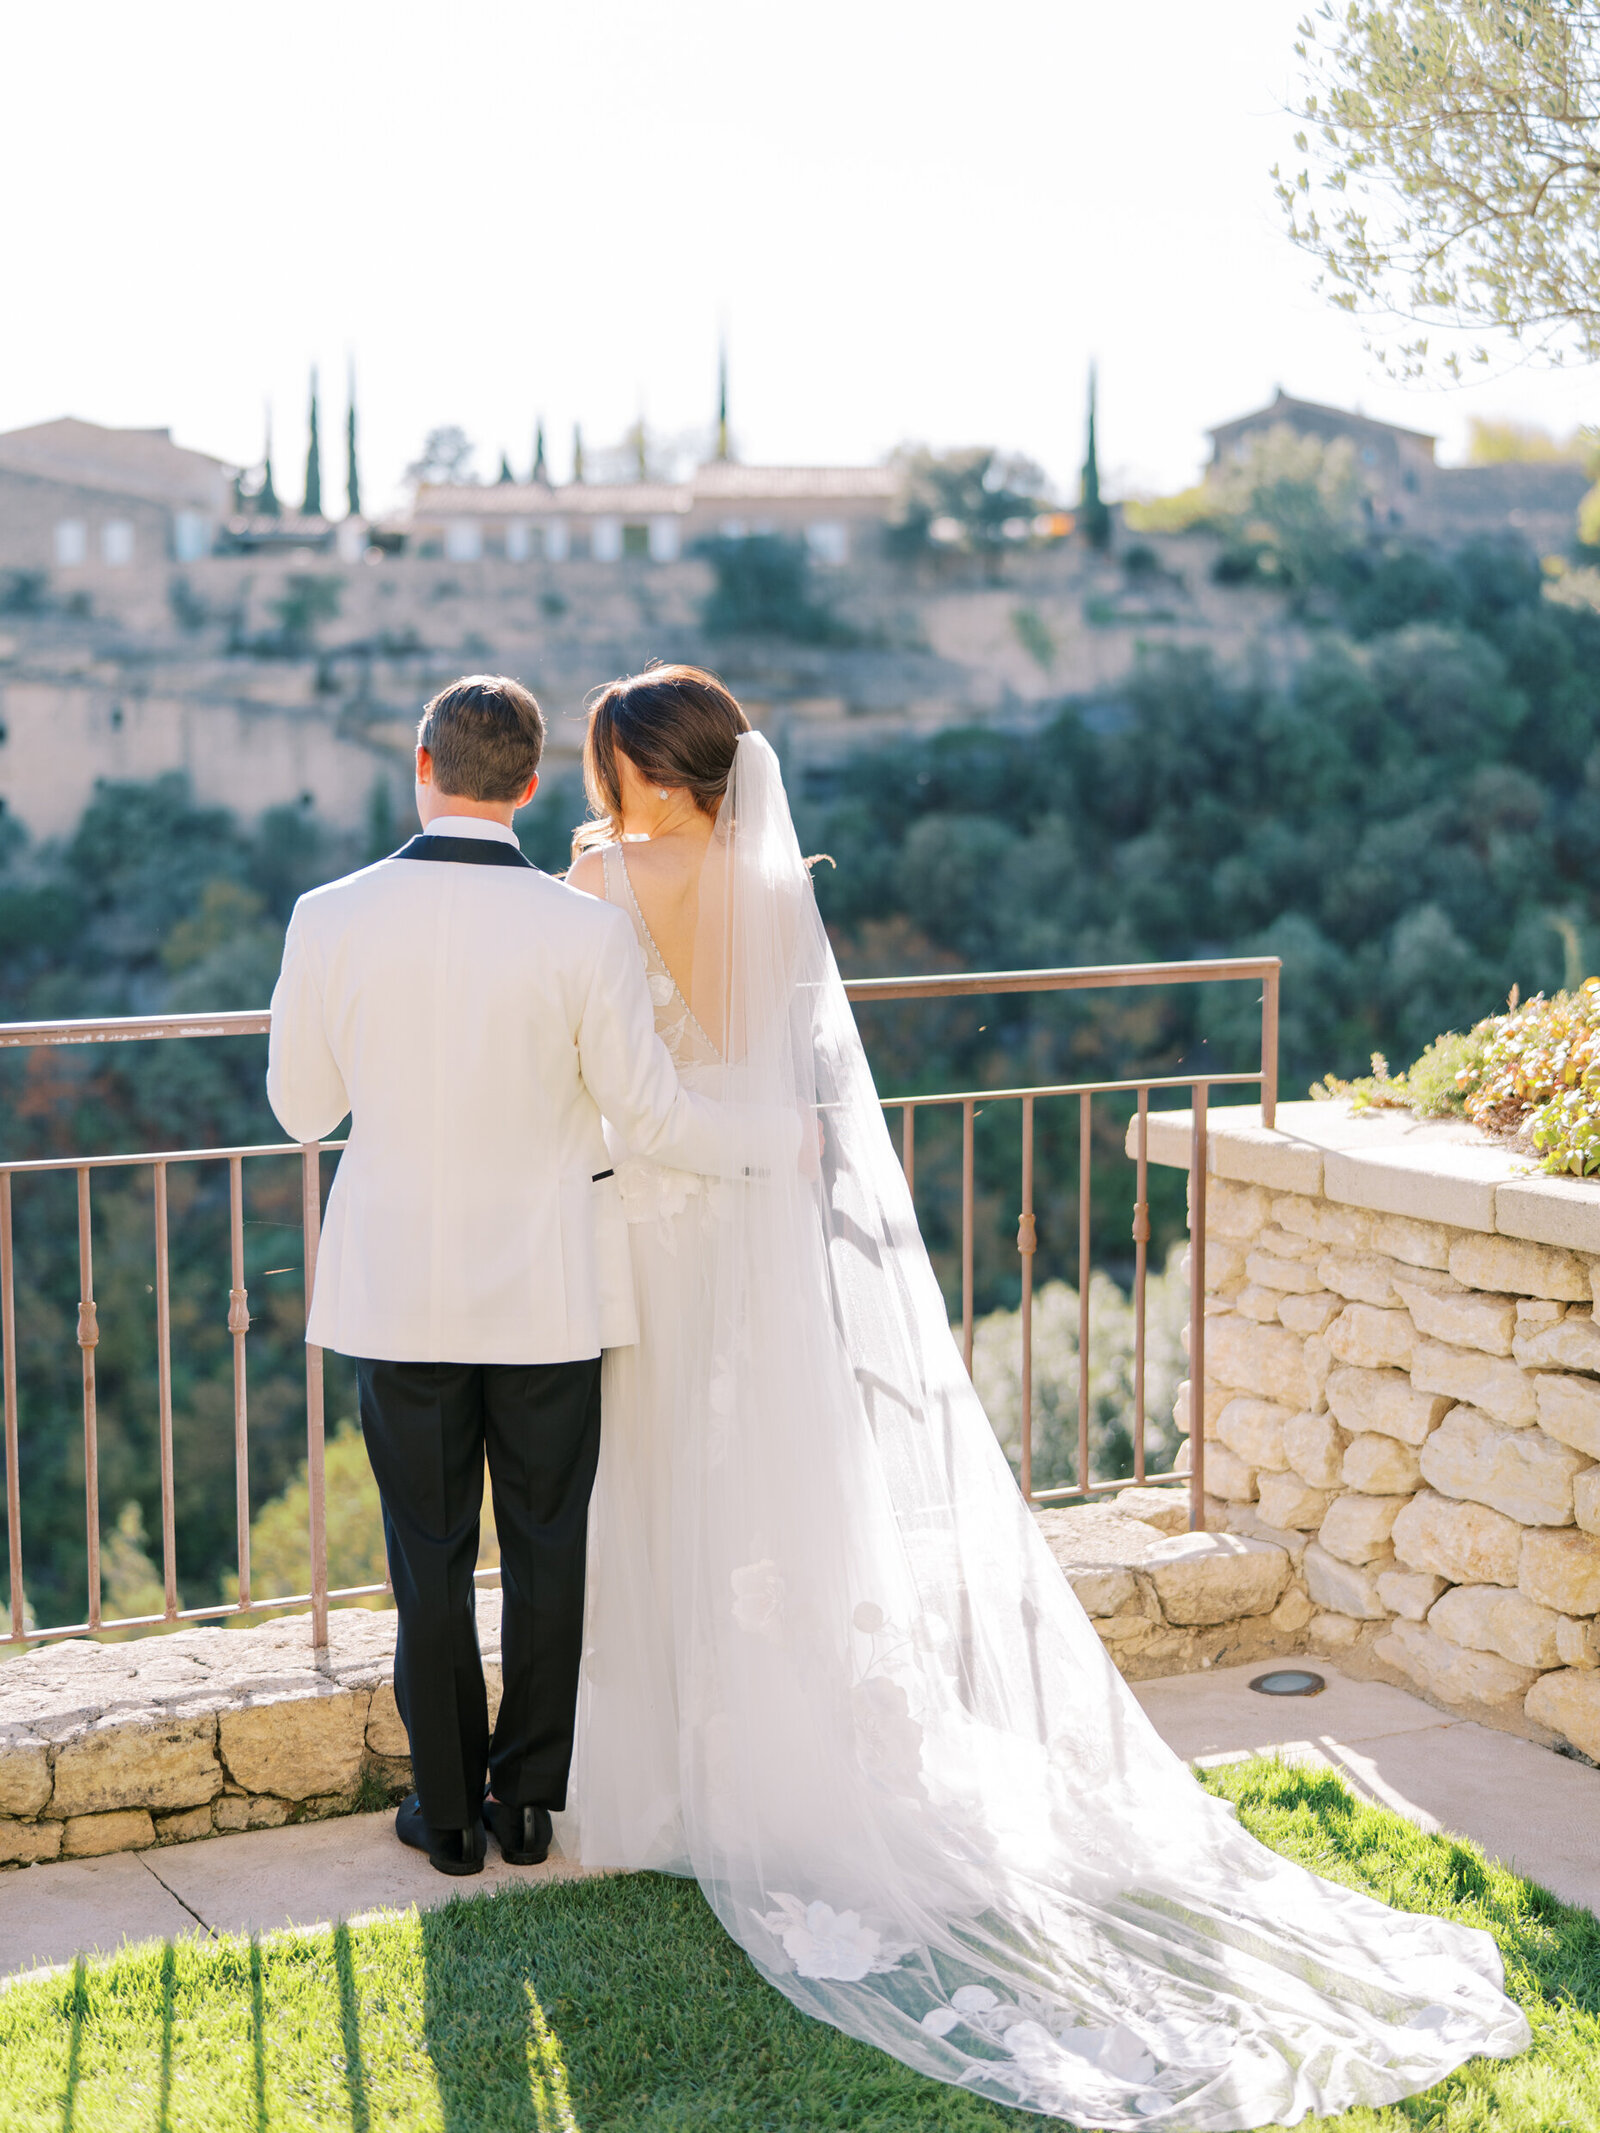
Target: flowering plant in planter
[{"x": 1531, "y": 1075}]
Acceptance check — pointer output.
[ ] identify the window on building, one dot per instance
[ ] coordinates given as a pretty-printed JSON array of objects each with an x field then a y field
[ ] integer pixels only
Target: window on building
[
  {"x": 519, "y": 542},
  {"x": 116, "y": 542},
  {"x": 557, "y": 541},
  {"x": 605, "y": 540},
  {"x": 463, "y": 540},
  {"x": 732, "y": 529},
  {"x": 72, "y": 542},
  {"x": 666, "y": 541},
  {"x": 191, "y": 536},
  {"x": 828, "y": 540},
  {"x": 636, "y": 541}
]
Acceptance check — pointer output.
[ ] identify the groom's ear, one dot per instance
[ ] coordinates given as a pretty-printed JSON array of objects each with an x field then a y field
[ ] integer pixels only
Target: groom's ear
[
  {"x": 528, "y": 792},
  {"x": 425, "y": 767}
]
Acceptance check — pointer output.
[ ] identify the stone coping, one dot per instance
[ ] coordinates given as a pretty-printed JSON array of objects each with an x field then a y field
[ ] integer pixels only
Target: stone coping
[{"x": 1433, "y": 1170}]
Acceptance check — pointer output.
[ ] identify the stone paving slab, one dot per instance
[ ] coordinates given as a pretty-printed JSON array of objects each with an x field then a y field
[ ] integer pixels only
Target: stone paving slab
[
  {"x": 260, "y": 1881},
  {"x": 1536, "y": 1810},
  {"x": 267, "y": 1879},
  {"x": 49, "y": 1914}
]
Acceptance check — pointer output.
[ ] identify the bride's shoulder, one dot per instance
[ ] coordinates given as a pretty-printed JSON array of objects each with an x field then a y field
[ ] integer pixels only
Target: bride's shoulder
[{"x": 588, "y": 872}]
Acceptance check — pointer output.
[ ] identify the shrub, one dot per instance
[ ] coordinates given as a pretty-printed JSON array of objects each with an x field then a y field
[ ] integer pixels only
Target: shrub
[
  {"x": 763, "y": 587},
  {"x": 1531, "y": 1074}
]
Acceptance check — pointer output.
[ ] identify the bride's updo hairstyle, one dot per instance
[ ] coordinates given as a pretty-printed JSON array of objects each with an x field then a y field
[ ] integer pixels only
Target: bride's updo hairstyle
[{"x": 677, "y": 725}]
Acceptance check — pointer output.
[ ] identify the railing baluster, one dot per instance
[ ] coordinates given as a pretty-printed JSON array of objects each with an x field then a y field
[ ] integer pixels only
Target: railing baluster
[
  {"x": 1197, "y": 1311},
  {"x": 1269, "y": 1044},
  {"x": 239, "y": 1326},
  {"x": 169, "y": 1526},
  {"x": 1027, "y": 1245},
  {"x": 88, "y": 1340},
  {"x": 8, "y": 1338},
  {"x": 311, "y": 1219},
  {"x": 1084, "y": 1477},
  {"x": 908, "y": 1145},
  {"x": 1141, "y": 1255},
  {"x": 968, "y": 1113}
]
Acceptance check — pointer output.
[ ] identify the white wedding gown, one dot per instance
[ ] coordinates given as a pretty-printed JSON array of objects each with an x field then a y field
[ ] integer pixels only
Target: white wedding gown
[{"x": 832, "y": 1670}]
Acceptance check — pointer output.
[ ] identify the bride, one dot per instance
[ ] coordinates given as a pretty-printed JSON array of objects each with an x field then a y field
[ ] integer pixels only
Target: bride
[{"x": 831, "y": 1668}]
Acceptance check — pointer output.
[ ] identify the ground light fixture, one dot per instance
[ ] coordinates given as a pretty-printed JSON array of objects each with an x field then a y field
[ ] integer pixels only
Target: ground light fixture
[{"x": 1289, "y": 1681}]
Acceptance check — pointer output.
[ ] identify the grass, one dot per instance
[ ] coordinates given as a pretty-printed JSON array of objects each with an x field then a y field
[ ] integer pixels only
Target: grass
[{"x": 619, "y": 2006}]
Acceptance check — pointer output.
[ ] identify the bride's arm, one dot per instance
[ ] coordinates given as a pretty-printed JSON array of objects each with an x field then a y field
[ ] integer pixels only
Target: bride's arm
[{"x": 629, "y": 1073}]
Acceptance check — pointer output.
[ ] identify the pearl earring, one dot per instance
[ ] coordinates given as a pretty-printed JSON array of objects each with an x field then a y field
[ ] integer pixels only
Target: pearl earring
[{"x": 662, "y": 793}]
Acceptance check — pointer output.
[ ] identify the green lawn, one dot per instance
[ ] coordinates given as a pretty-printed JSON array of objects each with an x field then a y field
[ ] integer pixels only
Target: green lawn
[{"x": 619, "y": 2004}]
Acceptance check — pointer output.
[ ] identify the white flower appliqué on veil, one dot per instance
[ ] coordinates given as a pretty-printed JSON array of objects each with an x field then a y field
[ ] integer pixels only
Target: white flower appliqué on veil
[
  {"x": 824, "y": 1943},
  {"x": 758, "y": 1598},
  {"x": 890, "y": 1738}
]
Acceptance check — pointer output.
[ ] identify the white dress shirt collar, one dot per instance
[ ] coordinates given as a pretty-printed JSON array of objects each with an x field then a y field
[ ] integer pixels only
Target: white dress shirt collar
[{"x": 469, "y": 826}]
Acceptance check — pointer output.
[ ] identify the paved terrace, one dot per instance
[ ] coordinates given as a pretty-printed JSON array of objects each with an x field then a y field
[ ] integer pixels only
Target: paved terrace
[{"x": 1537, "y": 1810}]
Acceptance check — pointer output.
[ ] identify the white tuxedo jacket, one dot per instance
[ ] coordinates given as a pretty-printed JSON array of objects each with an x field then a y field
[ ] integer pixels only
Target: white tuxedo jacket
[{"x": 475, "y": 1020}]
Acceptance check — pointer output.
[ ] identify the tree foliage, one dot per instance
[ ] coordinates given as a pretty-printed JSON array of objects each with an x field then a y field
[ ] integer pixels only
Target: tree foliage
[
  {"x": 971, "y": 502},
  {"x": 1452, "y": 171},
  {"x": 446, "y": 456},
  {"x": 762, "y": 586},
  {"x": 1410, "y": 819}
]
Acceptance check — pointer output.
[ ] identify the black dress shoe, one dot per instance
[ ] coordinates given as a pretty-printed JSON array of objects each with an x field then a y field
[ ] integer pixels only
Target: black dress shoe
[
  {"x": 522, "y": 1833},
  {"x": 450, "y": 1851}
]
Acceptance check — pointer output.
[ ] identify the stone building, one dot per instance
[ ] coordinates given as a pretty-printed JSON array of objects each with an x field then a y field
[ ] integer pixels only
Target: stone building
[
  {"x": 1408, "y": 492},
  {"x": 75, "y": 496},
  {"x": 830, "y": 508}
]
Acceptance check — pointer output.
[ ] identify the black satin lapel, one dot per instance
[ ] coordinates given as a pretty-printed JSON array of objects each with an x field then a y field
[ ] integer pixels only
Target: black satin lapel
[{"x": 465, "y": 851}]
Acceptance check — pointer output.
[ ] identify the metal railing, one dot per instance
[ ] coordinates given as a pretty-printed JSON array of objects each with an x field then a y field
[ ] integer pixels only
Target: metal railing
[{"x": 865, "y": 992}]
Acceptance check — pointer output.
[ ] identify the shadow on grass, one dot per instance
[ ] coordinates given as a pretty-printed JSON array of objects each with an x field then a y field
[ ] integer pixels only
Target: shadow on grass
[
  {"x": 355, "y": 2072},
  {"x": 495, "y": 2058},
  {"x": 258, "y": 2034},
  {"x": 621, "y": 2004},
  {"x": 78, "y": 1996}
]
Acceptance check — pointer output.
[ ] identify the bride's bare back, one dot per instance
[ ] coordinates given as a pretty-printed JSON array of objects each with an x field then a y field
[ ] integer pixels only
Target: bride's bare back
[{"x": 666, "y": 843}]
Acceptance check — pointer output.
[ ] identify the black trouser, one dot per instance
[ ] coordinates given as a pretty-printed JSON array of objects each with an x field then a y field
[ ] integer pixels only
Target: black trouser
[{"x": 428, "y": 1427}]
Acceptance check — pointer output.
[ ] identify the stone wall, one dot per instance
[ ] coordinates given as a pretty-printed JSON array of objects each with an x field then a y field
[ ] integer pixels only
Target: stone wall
[
  {"x": 1411, "y": 1406},
  {"x": 115, "y": 1747},
  {"x": 1168, "y": 1601}
]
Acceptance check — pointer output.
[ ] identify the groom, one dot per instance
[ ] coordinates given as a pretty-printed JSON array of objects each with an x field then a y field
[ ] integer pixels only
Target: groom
[{"x": 474, "y": 1018}]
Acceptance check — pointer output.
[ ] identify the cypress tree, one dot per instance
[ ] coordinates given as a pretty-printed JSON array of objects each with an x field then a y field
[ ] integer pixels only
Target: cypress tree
[
  {"x": 267, "y": 495},
  {"x": 722, "y": 451},
  {"x": 1093, "y": 514},
  {"x": 313, "y": 502},
  {"x": 505, "y": 473},
  {"x": 577, "y": 453},
  {"x": 352, "y": 479},
  {"x": 541, "y": 473}
]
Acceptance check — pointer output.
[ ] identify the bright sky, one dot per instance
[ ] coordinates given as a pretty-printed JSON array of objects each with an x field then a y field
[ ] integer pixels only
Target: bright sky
[{"x": 916, "y": 218}]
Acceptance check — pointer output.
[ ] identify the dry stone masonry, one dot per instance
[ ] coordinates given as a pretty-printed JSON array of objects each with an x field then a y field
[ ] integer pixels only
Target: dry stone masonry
[
  {"x": 115, "y": 1747},
  {"x": 1410, "y": 1407}
]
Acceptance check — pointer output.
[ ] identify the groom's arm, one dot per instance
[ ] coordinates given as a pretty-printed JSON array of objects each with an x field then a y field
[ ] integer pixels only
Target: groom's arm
[
  {"x": 629, "y": 1073},
  {"x": 304, "y": 1085}
]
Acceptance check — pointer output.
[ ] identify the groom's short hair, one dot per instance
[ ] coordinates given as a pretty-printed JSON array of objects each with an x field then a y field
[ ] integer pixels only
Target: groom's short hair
[{"x": 485, "y": 734}]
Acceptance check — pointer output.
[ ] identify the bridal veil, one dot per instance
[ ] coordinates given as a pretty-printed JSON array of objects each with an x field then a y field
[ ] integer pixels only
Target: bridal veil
[{"x": 897, "y": 1757}]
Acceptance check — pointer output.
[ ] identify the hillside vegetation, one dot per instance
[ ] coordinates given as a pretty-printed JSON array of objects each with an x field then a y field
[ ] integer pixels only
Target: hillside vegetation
[{"x": 1412, "y": 822}]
